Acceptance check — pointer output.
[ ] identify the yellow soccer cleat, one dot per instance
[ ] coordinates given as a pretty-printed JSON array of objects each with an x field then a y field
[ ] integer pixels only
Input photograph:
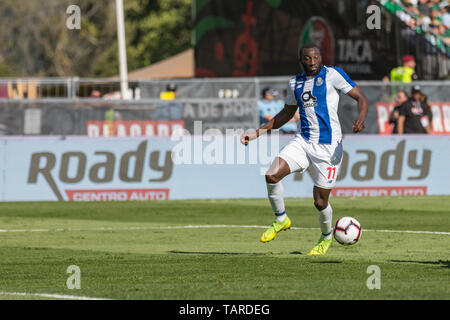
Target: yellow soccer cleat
[
  {"x": 276, "y": 227},
  {"x": 321, "y": 247}
]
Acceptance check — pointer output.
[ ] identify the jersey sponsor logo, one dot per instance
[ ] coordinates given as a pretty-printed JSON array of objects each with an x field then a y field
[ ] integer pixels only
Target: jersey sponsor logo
[{"x": 307, "y": 96}]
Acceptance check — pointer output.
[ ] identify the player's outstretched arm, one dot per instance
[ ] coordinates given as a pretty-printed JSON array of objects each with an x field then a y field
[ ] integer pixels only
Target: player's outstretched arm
[
  {"x": 278, "y": 121},
  {"x": 363, "y": 106}
]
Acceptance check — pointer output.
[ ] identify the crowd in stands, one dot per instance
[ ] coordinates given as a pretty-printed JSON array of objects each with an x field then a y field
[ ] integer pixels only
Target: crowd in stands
[{"x": 429, "y": 17}]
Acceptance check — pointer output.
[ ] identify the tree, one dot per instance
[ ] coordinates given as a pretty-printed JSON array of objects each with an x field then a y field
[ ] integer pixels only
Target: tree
[
  {"x": 36, "y": 42},
  {"x": 155, "y": 30}
]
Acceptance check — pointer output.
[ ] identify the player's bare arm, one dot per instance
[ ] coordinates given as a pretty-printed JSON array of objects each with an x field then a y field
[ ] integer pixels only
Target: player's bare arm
[
  {"x": 296, "y": 117},
  {"x": 276, "y": 122},
  {"x": 363, "y": 106}
]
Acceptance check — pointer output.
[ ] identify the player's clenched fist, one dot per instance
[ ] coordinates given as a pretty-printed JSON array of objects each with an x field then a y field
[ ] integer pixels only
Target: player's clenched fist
[
  {"x": 358, "y": 125},
  {"x": 248, "y": 136}
]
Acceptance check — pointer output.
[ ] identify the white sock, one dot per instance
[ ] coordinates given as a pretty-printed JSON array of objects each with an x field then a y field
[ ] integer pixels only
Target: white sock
[
  {"x": 325, "y": 217},
  {"x": 275, "y": 193}
]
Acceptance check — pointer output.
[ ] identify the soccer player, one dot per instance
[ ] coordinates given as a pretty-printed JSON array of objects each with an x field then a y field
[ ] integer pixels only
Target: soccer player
[{"x": 315, "y": 93}]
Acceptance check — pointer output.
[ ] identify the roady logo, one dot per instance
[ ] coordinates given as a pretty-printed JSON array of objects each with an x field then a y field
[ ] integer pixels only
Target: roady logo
[{"x": 102, "y": 168}]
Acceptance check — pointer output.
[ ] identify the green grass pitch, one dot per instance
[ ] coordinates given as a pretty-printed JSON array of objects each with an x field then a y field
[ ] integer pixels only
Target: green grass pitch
[{"x": 145, "y": 250}]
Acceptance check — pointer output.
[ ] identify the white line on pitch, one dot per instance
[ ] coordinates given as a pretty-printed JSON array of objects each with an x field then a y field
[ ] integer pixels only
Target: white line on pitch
[
  {"x": 201, "y": 227},
  {"x": 49, "y": 295}
]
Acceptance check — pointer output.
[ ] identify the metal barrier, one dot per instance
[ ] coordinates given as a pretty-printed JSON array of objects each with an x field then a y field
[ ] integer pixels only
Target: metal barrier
[
  {"x": 36, "y": 88},
  {"x": 197, "y": 88},
  {"x": 218, "y": 103},
  {"x": 61, "y": 88}
]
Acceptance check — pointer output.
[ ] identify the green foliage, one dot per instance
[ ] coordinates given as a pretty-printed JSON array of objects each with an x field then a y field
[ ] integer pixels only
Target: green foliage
[
  {"x": 163, "y": 32},
  {"x": 36, "y": 42}
]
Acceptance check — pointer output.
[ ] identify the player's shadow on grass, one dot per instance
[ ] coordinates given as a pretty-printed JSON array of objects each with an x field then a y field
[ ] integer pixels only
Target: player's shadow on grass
[
  {"x": 444, "y": 264},
  {"x": 325, "y": 261},
  {"x": 218, "y": 252}
]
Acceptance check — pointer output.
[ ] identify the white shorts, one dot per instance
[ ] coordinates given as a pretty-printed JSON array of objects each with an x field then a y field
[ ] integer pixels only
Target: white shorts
[{"x": 325, "y": 160}]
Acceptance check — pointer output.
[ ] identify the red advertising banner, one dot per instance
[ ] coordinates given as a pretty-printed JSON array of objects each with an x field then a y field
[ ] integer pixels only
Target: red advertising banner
[
  {"x": 378, "y": 191},
  {"x": 118, "y": 195},
  {"x": 441, "y": 117},
  {"x": 134, "y": 128}
]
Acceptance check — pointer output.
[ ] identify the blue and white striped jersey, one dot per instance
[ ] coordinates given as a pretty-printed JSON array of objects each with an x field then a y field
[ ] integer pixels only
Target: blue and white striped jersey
[{"x": 317, "y": 99}]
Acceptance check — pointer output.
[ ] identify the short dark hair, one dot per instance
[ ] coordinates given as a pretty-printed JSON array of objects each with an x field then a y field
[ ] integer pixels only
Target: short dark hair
[
  {"x": 171, "y": 87},
  {"x": 308, "y": 46},
  {"x": 269, "y": 90}
]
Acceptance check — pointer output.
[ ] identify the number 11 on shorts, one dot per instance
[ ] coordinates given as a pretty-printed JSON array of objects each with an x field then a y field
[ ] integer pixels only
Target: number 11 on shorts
[{"x": 331, "y": 172}]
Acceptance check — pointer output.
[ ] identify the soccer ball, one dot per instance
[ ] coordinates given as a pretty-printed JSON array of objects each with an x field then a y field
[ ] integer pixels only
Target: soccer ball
[{"x": 347, "y": 231}]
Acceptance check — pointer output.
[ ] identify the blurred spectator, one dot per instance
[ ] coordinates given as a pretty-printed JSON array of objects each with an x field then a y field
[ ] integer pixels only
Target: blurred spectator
[
  {"x": 113, "y": 115},
  {"x": 292, "y": 125},
  {"x": 170, "y": 93},
  {"x": 406, "y": 72},
  {"x": 412, "y": 23},
  {"x": 446, "y": 16},
  {"x": 429, "y": 112},
  {"x": 95, "y": 94},
  {"x": 415, "y": 116},
  {"x": 402, "y": 97},
  {"x": 411, "y": 7},
  {"x": 445, "y": 33},
  {"x": 436, "y": 14},
  {"x": 268, "y": 107},
  {"x": 424, "y": 23},
  {"x": 410, "y": 2},
  {"x": 424, "y": 8},
  {"x": 435, "y": 26}
]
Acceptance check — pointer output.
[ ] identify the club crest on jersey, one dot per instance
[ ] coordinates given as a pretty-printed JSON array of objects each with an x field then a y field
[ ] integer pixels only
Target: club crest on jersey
[
  {"x": 309, "y": 101},
  {"x": 319, "y": 81}
]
